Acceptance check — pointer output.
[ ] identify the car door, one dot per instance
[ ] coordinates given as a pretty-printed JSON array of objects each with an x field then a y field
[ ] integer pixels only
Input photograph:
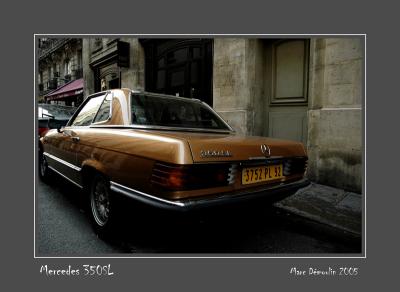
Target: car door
[
  {"x": 67, "y": 142},
  {"x": 88, "y": 136}
]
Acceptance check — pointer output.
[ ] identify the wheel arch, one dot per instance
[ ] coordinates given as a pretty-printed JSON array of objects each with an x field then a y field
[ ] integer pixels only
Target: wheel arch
[{"x": 91, "y": 167}]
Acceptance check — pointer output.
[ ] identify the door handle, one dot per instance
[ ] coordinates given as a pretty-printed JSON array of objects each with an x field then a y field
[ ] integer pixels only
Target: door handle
[{"x": 75, "y": 139}]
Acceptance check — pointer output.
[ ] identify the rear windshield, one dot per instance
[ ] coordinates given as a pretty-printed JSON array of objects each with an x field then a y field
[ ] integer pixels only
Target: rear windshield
[{"x": 174, "y": 112}]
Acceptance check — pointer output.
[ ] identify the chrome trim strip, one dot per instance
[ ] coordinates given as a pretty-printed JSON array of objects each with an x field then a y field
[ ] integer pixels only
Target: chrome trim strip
[
  {"x": 258, "y": 158},
  {"x": 76, "y": 168},
  {"x": 143, "y": 197},
  {"x": 278, "y": 190},
  {"x": 264, "y": 157},
  {"x": 66, "y": 177},
  {"x": 163, "y": 128}
]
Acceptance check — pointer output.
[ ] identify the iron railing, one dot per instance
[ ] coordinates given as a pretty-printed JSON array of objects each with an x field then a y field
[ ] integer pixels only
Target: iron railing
[{"x": 49, "y": 46}]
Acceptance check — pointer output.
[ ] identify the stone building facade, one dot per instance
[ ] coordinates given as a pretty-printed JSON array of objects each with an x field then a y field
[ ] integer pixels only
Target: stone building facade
[
  {"x": 335, "y": 113},
  {"x": 59, "y": 63},
  {"x": 310, "y": 90},
  {"x": 112, "y": 63},
  {"x": 323, "y": 110}
]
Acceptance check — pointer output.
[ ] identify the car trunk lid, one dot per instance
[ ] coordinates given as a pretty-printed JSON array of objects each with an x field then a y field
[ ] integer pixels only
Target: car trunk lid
[{"x": 210, "y": 147}]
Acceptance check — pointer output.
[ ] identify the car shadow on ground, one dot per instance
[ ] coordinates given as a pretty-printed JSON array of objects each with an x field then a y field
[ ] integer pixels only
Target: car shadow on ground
[
  {"x": 246, "y": 229},
  {"x": 250, "y": 229}
]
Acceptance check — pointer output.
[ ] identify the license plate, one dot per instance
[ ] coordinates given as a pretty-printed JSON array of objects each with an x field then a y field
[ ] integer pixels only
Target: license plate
[{"x": 258, "y": 174}]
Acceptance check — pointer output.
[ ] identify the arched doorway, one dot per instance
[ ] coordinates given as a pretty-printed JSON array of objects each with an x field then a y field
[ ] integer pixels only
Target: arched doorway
[
  {"x": 108, "y": 77},
  {"x": 180, "y": 67}
]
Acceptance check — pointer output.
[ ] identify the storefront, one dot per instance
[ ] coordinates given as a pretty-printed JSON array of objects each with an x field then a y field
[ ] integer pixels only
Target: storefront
[{"x": 68, "y": 94}]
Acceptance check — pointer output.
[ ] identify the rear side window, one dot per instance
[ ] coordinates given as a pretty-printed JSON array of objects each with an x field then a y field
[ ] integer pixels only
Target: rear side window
[
  {"x": 104, "y": 112},
  {"x": 87, "y": 113}
]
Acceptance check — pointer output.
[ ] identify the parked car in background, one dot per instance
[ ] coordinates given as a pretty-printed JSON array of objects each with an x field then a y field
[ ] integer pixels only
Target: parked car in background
[
  {"x": 51, "y": 116},
  {"x": 168, "y": 152}
]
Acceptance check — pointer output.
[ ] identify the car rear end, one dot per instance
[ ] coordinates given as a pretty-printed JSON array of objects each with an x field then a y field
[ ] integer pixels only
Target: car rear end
[
  {"x": 224, "y": 167},
  {"x": 231, "y": 168}
]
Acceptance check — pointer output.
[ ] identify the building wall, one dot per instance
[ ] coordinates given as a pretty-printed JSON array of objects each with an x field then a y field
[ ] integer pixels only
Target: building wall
[
  {"x": 131, "y": 76},
  {"x": 88, "y": 75},
  {"x": 53, "y": 55},
  {"x": 335, "y": 115},
  {"x": 334, "y": 141},
  {"x": 237, "y": 83}
]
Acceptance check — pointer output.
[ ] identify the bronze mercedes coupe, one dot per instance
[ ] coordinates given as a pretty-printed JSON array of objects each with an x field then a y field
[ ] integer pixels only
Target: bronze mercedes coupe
[{"x": 165, "y": 151}]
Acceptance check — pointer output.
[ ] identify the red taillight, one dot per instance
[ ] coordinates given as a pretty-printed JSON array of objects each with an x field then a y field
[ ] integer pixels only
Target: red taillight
[
  {"x": 42, "y": 131},
  {"x": 175, "y": 178},
  {"x": 186, "y": 177}
]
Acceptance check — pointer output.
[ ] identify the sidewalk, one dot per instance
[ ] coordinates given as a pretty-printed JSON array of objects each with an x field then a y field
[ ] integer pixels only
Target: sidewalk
[{"x": 328, "y": 205}]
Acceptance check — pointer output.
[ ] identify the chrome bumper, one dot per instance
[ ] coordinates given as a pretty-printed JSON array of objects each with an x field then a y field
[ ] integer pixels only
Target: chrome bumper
[{"x": 274, "y": 193}]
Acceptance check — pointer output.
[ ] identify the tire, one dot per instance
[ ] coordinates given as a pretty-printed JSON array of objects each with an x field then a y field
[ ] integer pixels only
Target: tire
[
  {"x": 101, "y": 205},
  {"x": 44, "y": 170}
]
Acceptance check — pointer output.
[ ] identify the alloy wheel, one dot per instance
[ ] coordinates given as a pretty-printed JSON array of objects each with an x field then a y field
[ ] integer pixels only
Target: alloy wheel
[{"x": 100, "y": 202}]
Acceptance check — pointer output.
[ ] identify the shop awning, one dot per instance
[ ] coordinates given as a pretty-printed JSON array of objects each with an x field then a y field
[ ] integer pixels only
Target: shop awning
[{"x": 69, "y": 89}]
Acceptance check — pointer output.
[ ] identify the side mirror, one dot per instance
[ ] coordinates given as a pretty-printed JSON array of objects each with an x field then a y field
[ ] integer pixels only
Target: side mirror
[{"x": 60, "y": 129}]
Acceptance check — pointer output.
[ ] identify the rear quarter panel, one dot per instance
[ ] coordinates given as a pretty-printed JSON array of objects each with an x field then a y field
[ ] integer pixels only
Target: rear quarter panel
[{"x": 127, "y": 156}]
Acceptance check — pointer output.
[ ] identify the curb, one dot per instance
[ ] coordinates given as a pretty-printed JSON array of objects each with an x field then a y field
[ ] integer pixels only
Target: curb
[{"x": 327, "y": 205}]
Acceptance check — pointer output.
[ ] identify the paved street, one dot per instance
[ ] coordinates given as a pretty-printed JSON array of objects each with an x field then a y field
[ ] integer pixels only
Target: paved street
[{"x": 63, "y": 229}]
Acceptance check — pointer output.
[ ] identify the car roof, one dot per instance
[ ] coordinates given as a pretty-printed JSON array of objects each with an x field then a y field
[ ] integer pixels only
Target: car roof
[
  {"x": 162, "y": 95},
  {"x": 140, "y": 91}
]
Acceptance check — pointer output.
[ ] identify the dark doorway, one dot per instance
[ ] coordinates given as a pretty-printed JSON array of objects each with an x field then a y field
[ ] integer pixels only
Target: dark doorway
[
  {"x": 179, "y": 67},
  {"x": 107, "y": 77},
  {"x": 114, "y": 83}
]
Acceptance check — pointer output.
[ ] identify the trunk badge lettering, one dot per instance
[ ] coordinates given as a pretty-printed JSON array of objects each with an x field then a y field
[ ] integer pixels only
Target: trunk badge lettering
[{"x": 215, "y": 153}]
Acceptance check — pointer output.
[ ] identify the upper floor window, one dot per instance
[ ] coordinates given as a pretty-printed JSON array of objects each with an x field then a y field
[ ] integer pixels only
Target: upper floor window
[{"x": 68, "y": 67}]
